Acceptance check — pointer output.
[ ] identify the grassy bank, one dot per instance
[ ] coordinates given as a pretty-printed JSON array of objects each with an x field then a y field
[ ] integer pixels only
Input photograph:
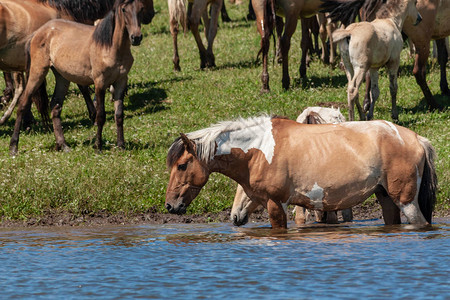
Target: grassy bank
[{"x": 161, "y": 103}]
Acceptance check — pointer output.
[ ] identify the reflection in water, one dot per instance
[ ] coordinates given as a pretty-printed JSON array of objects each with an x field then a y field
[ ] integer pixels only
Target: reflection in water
[{"x": 361, "y": 259}]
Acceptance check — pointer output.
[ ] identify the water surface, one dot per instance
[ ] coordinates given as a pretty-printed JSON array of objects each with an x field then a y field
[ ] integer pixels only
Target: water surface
[{"x": 182, "y": 261}]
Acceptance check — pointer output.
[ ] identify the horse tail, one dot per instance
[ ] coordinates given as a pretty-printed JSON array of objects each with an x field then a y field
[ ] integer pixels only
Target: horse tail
[
  {"x": 268, "y": 23},
  {"x": 40, "y": 97},
  {"x": 178, "y": 13},
  {"x": 428, "y": 186},
  {"x": 345, "y": 11}
]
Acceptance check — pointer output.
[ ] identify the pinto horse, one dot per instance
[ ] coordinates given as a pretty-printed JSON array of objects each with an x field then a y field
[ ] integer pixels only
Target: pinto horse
[
  {"x": 311, "y": 115},
  {"x": 367, "y": 46},
  {"x": 19, "y": 19},
  {"x": 178, "y": 14},
  {"x": 434, "y": 26},
  {"x": 326, "y": 167},
  {"x": 86, "y": 55}
]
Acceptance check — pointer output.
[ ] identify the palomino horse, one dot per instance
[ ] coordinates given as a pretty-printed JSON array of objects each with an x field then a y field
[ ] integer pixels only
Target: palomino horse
[
  {"x": 327, "y": 167},
  {"x": 367, "y": 46},
  {"x": 178, "y": 15},
  {"x": 86, "y": 55},
  {"x": 19, "y": 19},
  {"x": 434, "y": 26},
  {"x": 311, "y": 115}
]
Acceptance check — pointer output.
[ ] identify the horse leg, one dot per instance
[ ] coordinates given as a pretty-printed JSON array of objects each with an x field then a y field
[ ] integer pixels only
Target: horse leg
[
  {"x": 299, "y": 215},
  {"x": 347, "y": 215},
  {"x": 224, "y": 14},
  {"x": 212, "y": 31},
  {"x": 35, "y": 80},
  {"x": 332, "y": 217},
  {"x": 391, "y": 213},
  {"x": 443, "y": 59},
  {"x": 352, "y": 94},
  {"x": 279, "y": 28},
  {"x": 263, "y": 30},
  {"x": 119, "y": 93},
  {"x": 374, "y": 91},
  {"x": 419, "y": 71},
  {"x": 84, "y": 89},
  {"x": 393, "y": 87},
  {"x": 289, "y": 29},
  {"x": 9, "y": 88},
  {"x": 277, "y": 215},
  {"x": 19, "y": 81},
  {"x": 331, "y": 27},
  {"x": 323, "y": 38},
  {"x": 305, "y": 45},
  {"x": 174, "y": 32},
  {"x": 100, "y": 118},
  {"x": 61, "y": 87},
  {"x": 198, "y": 8}
]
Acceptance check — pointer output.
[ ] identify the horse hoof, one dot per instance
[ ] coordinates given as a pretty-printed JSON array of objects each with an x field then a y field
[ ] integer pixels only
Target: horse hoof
[{"x": 13, "y": 151}]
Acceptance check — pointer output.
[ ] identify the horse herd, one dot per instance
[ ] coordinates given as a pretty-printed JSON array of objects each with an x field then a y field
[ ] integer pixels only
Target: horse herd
[{"x": 276, "y": 162}]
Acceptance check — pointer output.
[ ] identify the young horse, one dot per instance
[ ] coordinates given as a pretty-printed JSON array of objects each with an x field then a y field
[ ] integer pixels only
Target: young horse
[
  {"x": 98, "y": 55},
  {"x": 178, "y": 15},
  {"x": 367, "y": 46},
  {"x": 311, "y": 115},
  {"x": 19, "y": 19},
  {"x": 327, "y": 167}
]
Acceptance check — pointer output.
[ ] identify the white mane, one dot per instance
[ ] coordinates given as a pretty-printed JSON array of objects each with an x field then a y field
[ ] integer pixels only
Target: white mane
[{"x": 206, "y": 139}]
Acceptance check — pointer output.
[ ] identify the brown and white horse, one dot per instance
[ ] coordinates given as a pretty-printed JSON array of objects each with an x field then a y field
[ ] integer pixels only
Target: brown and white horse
[
  {"x": 327, "y": 167},
  {"x": 86, "y": 55},
  {"x": 367, "y": 46},
  {"x": 310, "y": 115}
]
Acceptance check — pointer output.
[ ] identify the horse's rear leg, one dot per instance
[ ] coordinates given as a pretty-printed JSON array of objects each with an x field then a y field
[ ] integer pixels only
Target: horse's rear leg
[
  {"x": 443, "y": 59},
  {"x": 119, "y": 93},
  {"x": 212, "y": 31},
  {"x": 61, "y": 87},
  {"x": 300, "y": 217},
  {"x": 352, "y": 94},
  {"x": 391, "y": 213},
  {"x": 19, "y": 81},
  {"x": 84, "y": 89},
  {"x": 100, "y": 118},
  {"x": 374, "y": 91},
  {"x": 289, "y": 29},
  {"x": 9, "y": 88},
  {"x": 277, "y": 215},
  {"x": 199, "y": 7},
  {"x": 305, "y": 45}
]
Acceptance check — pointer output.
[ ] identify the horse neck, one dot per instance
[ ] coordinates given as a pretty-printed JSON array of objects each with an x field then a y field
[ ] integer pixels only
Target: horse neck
[
  {"x": 399, "y": 19},
  {"x": 232, "y": 165},
  {"x": 120, "y": 40}
]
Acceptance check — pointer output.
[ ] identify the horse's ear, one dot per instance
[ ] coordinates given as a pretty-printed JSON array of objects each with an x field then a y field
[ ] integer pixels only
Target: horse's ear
[{"x": 188, "y": 144}]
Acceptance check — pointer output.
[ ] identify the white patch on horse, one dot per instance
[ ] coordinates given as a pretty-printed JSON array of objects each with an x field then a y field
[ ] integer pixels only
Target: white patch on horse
[
  {"x": 255, "y": 137},
  {"x": 316, "y": 196},
  {"x": 392, "y": 126}
]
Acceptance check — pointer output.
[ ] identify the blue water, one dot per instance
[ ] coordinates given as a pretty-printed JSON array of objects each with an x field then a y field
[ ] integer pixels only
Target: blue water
[{"x": 183, "y": 261}]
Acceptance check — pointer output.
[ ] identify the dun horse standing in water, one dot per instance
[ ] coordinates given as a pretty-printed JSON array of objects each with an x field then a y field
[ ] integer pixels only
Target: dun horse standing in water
[
  {"x": 327, "y": 167},
  {"x": 311, "y": 115},
  {"x": 85, "y": 55},
  {"x": 367, "y": 46}
]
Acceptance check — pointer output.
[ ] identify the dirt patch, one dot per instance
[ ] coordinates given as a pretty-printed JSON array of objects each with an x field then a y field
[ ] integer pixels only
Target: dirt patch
[{"x": 59, "y": 218}]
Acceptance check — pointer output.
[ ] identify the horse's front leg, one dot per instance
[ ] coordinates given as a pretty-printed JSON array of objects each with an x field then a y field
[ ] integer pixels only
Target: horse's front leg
[
  {"x": 101, "y": 115},
  {"x": 277, "y": 215},
  {"x": 212, "y": 31},
  {"x": 61, "y": 87},
  {"x": 194, "y": 20},
  {"x": 120, "y": 88},
  {"x": 443, "y": 59},
  {"x": 305, "y": 45},
  {"x": 289, "y": 29}
]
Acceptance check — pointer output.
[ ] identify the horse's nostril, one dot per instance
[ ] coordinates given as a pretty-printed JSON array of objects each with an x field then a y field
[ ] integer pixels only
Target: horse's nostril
[
  {"x": 182, "y": 205},
  {"x": 235, "y": 219},
  {"x": 168, "y": 207}
]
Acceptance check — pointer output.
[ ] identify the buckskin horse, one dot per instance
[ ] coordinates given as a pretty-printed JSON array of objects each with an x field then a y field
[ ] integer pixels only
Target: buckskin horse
[
  {"x": 86, "y": 55},
  {"x": 19, "y": 19},
  {"x": 327, "y": 167}
]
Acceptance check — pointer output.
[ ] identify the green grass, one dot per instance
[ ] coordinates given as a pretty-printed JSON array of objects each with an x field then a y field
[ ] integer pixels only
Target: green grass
[{"x": 161, "y": 103}]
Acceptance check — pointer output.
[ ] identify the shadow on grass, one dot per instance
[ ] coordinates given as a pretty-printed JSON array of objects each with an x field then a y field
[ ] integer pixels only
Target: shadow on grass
[{"x": 243, "y": 64}]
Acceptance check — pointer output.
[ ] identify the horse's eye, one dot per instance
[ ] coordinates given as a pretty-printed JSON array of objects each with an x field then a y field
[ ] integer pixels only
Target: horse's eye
[
  {"x": 182, "y": 167},
  {"x": 123, "y": 9}
]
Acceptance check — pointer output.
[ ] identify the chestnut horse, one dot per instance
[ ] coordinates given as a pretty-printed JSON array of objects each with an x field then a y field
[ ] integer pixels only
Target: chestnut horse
[
  {"x": 310, "y": 115},
  {"x": 327, "y": 167},
  {"x": 178, "y": 14},
  {"x": 86, "y": 55},
  {"x": 367, "y": 46},
  {"x": 434, "y": 26},
  {"x": 19, "y": 19}
]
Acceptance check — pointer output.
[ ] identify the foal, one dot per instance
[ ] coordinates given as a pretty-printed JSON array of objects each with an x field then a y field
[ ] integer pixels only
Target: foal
[
  {"x": 367, "y": 46},
  {"x": 85, "y": 55}
]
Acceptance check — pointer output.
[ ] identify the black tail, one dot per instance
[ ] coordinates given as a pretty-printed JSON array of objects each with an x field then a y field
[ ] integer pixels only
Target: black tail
[
  {"x": 40, "y": 97},
  {"x": 428, "y": 186},
  {"x": 345, "y": 11}
]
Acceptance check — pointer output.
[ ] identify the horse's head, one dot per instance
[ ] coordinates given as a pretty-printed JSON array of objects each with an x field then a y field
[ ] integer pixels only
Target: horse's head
[
  {"x": 132, "y": 14},
  {"x": 243, "y": 206},
  {"x": 188, "y": 174},
  {"x": 412, "y": 14}
]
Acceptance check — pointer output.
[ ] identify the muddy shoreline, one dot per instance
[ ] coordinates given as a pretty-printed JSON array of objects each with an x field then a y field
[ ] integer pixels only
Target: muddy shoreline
[{"x": 103, "y": 218}]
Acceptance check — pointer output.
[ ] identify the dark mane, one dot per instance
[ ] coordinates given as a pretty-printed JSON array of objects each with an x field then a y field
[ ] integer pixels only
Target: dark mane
[
  {"x": 387, "y": 9},
  {"x": 346, "y": 11},
  {"x": 104, "y": 30},
  {"x": 84, "y": 11},
  {"x": 175, "y": 152}
]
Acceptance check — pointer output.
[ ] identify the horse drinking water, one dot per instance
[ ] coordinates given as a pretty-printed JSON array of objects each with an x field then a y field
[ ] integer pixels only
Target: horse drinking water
[
  {"x": 327, "y": 167},
  {"x": 85, "y": 55}
]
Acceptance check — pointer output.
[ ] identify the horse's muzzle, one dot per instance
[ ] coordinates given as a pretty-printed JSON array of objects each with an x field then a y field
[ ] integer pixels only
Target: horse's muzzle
[
  {"x": 179, "y": 209},
  {"x": 240, "y": 221},
  {"x": 136, "y": 40}
]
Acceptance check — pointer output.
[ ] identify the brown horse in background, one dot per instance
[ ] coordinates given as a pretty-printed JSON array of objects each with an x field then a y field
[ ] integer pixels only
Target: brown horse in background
[
  {"x": 19, "y": 19},
  {"x": 86, "y": 55},
  {"x": 435, "y": 25}
]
